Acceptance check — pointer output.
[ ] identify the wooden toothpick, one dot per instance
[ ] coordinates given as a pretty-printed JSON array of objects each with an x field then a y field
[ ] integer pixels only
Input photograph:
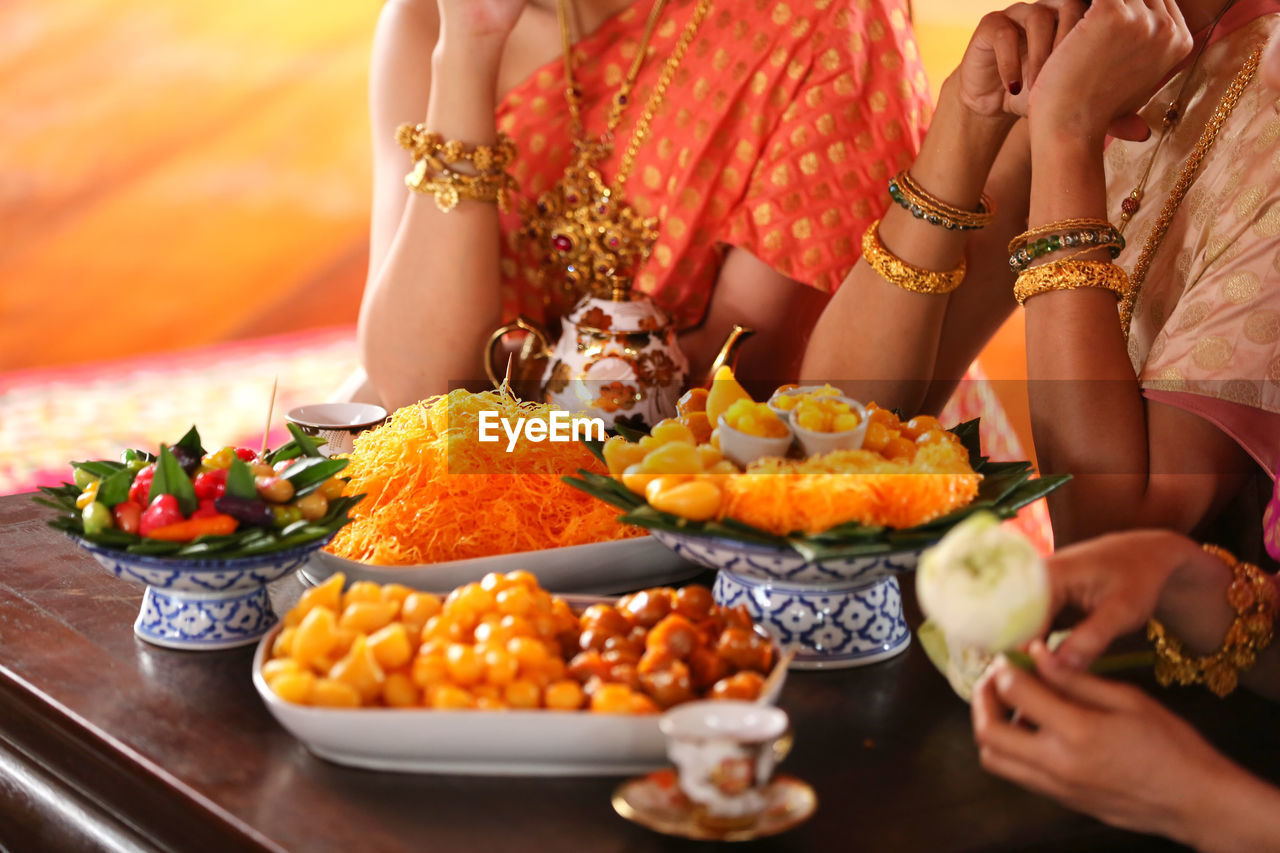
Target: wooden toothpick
[
  {"x": 506, "y": 381},
  {"x": 271, "y": 406},
  {"x": 773, "y": 683}
]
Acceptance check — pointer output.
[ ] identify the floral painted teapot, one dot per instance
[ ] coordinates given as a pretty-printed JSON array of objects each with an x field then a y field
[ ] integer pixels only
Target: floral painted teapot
[{"x": 617, "y": 359}]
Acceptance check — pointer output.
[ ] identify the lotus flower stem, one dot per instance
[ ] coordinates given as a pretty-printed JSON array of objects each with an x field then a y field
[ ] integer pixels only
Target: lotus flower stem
[{"x": 1102, "y": 666}]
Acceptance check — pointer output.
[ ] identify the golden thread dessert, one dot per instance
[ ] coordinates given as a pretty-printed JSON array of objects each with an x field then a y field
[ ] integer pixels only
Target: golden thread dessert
[
  {"x": 436, "y": 493},
  {"x": 782, "y": 496}
]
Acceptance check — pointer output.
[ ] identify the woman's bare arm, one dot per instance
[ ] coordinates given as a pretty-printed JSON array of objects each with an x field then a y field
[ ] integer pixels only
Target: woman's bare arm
[
  {"x": 1136, "y": 463},
  {"x": 880, "y": 341},
  {"x": 781, "y": 311},
  {"x": 905, "y": 349},
  {"x": 978, "y": 308},
  {"x": 432, "y": 296}
]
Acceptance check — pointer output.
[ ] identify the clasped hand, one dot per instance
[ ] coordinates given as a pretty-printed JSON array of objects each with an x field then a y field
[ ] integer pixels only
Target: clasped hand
[{"x": 1077, "y": 69}]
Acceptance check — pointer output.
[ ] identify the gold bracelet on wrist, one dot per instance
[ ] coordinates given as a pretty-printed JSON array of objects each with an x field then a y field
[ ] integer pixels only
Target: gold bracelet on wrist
[
  {"x": 423, "y": 144},
  {"x": 1254, "y": 598},
  {"x": 898, "y": 272},
  {"x": 449, "y": 187},
  {"x": 921, "y": 204},
  {"x": 1070, "y": 275},
  {"x": 1083, "y": 234},
  {"x": 1055, "y": 228},
  {"x": 434, "y": 172}
]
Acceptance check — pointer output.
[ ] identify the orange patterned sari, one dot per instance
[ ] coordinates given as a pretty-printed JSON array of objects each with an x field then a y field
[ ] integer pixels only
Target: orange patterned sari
[{"x": 784, "y": 121}]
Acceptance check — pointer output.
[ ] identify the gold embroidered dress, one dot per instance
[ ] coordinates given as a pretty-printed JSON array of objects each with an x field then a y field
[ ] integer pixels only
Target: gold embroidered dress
[
  {"x": 784, "y": 121},
  {"x": 1206, "y": 324}
]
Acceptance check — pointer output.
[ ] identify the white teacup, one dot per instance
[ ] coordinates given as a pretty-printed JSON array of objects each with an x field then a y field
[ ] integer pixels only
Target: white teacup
[
  {"x": 337, "y": 424},
  {"x": 725, "y": 752}
]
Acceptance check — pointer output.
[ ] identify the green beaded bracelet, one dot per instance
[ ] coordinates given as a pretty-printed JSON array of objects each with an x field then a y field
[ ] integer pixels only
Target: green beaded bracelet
[
  {"x": 910, "y": 198},
  {"x": 1108, "y": 238}
]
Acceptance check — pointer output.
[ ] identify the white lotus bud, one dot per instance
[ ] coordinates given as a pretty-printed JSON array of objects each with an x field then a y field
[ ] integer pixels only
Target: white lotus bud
[
  {"x": 962, "y": 665},
  {"x": 984, "y": 585}
]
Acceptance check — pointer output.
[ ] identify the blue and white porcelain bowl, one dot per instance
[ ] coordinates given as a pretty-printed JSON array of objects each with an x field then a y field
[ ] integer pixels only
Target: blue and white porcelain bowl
[
  {"x": 830, "y": 626},
  {"x": 766, "y": 562},
  {"x": 834, "y": 613},
  {"x": 202, "y": 605}
]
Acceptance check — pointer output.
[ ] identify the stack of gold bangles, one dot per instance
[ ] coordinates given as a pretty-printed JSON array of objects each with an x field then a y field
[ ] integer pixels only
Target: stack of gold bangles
[
  {"x": 897, "y": 271},
  {"x": 1254, "y": 598},
  {"x": 434, "y": 172},
  {"x": 1082, "y": 235},
  {"x": 911, "y": 197},
  {"x": 928, "y": 208}
]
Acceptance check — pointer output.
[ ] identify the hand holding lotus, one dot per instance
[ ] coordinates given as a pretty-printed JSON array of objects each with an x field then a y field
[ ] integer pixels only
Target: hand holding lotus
[
  {"x": 985, "y": 590},
  {"x": 1099, "y": 747}
]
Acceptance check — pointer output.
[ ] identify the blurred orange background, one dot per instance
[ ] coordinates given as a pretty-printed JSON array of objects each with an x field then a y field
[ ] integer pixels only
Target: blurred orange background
[{"x": 175, "y": 177}]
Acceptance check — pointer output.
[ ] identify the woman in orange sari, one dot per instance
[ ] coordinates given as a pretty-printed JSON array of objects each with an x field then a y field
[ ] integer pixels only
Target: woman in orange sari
[{"x": 741, "y": 144}]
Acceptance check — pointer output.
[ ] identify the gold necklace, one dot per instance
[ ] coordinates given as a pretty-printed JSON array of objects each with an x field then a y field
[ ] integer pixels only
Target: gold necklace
[
  {"x": 1133, "y": 201},
  {"x": 589, "y": 239},
  {"x": 1185, "y": 178}
]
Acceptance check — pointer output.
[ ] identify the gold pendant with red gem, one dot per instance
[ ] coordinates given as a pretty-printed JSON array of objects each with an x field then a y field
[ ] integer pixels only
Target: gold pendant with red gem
[{"x": 588, "y": 239}]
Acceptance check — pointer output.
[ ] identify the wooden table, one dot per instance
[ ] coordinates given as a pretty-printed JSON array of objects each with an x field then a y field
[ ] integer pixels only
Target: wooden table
[{"x": 109, "y": 743}]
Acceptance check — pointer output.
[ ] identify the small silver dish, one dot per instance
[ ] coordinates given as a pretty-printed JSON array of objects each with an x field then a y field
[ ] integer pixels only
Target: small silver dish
[{"x": 337, "y": 424}]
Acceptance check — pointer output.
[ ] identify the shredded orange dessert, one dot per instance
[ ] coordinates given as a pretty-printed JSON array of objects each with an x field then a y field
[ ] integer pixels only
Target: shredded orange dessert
[
  {"x": 813, "y": 495},
  {"x": 424, "y": 504}
]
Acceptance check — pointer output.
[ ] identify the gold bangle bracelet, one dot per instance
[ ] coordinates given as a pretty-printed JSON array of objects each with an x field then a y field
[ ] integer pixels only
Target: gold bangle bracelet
[
  {"x": 1056, "y": 228},
  {"x": 433, "y": 173},
  {"x": 1254, "y": 598},
  {"x": 923, "y": 205},
  {"x": 424, "y": 144},
  {"x": 1070, "y": 275},
  {"x": 449, "y": 187},
  {"x": 902, "y": 274}
]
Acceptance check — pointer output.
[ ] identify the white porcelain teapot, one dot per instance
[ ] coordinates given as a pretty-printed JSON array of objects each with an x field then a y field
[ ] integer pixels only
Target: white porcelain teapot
[{"x": 616, "y": 359}]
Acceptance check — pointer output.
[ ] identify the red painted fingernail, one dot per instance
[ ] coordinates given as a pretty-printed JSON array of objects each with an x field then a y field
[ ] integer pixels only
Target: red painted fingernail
[{"x": 1015, "y": 87}]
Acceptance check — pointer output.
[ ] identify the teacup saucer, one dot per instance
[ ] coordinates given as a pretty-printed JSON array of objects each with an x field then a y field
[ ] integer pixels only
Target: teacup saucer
[{"x": 655, "y": 801}]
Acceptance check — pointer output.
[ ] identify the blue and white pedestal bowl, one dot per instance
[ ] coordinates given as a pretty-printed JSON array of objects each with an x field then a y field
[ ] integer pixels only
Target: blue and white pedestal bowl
[
  {"x": 203, "y": 605},
  {"x": 835, "y": 613},
  {"x": 829, "y": 626}
]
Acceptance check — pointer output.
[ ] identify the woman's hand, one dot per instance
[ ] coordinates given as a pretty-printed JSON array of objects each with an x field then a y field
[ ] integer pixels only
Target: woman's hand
[
  {"x": 1098, "y": 747},
  {"x": 1121, "y": 580},
  {"x": 1007, "y": 51},
  {"x": 1109, "y": 65},
  {"x": 1116, "y": 580}
]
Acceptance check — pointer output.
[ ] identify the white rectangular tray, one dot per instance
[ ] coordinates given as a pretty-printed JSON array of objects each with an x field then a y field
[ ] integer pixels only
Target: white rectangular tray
[
  {"x": 600, "y": 568},
  {"x": 475, "y": 743},
  {"x": 481, "y": 743}
]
